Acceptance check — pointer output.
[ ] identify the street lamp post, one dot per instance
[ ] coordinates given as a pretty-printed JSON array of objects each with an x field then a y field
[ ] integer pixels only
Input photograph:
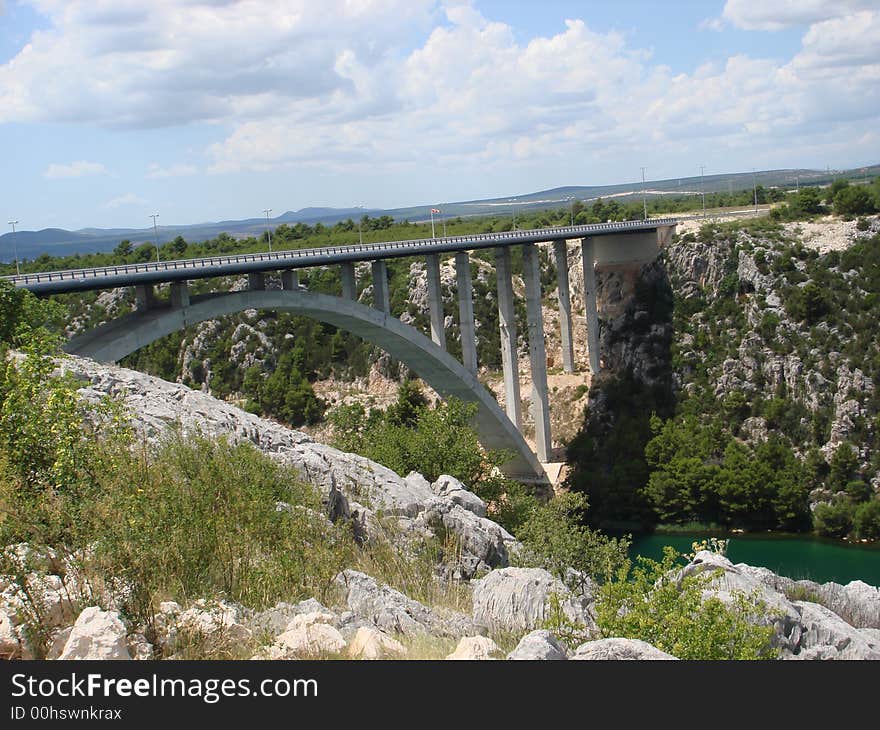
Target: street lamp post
[
  {"x": 513, "y": 205},
  {"x": 15, "y": 248},
  {"x": 156, "y": 232},
  {"x": 268, "y": 230},
  {"x": 571, "y": 210},
  {"x": 644, "y": 194}
]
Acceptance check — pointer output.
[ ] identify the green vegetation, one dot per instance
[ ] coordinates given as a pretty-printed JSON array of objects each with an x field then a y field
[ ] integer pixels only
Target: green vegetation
[{"x": 655, "y": 602}]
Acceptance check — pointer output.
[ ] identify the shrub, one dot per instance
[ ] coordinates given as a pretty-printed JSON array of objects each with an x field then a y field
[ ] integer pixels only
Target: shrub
[
  {"x": 653, "y": 602},
  {"x": 866, "y": 520}
]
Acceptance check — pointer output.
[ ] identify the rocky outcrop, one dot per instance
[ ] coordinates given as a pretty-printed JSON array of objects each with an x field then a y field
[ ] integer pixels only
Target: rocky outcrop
[
  {"x": 155, "y": 405},
  {"x": 96, "y": 634},
  {"x": 518, "y": 599},
  {"x": 620, "y": 649},
  {"x": 393, "y": 612},
  {"x": 538, "y": 645},
  {"x": 824, "y": 630},
  {"x": 370, "y": 643},
  {"x": 308, "y": 635}
]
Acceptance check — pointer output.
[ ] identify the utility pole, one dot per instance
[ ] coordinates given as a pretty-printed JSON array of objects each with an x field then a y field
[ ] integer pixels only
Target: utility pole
[
  {"x": 755, "y": 188},
  {"x": 432, "y": 221},
  {"x": 702, "y": 189},
  {"x": 571, "y": 210},
  {"x": 644, "y": 194},
  {"x": 15, "y": 248},
  {"x": 513, "y": 205},
  {"x": 156, "y": 231},
  {"x": 268, "y": 230}
]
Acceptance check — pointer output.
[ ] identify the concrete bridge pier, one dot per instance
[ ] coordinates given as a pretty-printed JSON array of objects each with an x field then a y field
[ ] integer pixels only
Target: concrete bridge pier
[
  {"x": 435, "y": 299},
  {"x": 257, "y": 281},
  {"x": 290, "y": 280},
  {"x": 592, "y": 312},
  {"x": 537, "y": 351},
  {"x": 179, "y": 294},
  {"x": 466, "y": 311},
  {"x": 507, "y": 326},
  {"x": 381, "y": 297},
  {"x": 144, "y": 297},
  {"x": 349, "y": 283},
  {"x": 560, "y": 251}
]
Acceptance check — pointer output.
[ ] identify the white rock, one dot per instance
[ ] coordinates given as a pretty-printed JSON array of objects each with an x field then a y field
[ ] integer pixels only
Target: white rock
[
  {"x": 475, "y": 647},
  {"x": 617, "y": 649},
  {"x": 311, "y": 640},
  {"x": 538, "y": 645},
  {"x": 451, "y": 488},
  {"x": 304, "y": 620},
  {"x": 10, "y": 647},
  {"x": 59, "y": 640},
  {"x": 823, "y": 628},
  {"x": 370, "y": 643},
  {"x": 216, "y": 620},
  {"x": 517, "y": 599},
  {"x": 96, "y": 634}
]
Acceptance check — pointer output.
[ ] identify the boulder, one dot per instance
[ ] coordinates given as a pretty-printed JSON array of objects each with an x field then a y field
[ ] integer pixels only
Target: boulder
[
  {"x": 538, "y": 645},
  {"x": 450, "y": 488},
  {"x": 59, "y": 639},
  {"x": 10, "y": 646},
  {"x": 479, "y": 536},
  {"x": 96, "y": 634},
  {"x": 370, "y": 643},
  {"x": 310, "y": 637},
  {"x": 214, "y": 619},
  {"x": 824, "y": 628},
  {"x": 275, "y": 620},
  {"x": 517, "y": 599},
  {"x": 620, "y": 649},
  {"x": 475, "y": 647},
  {"x": 393, "y": 612}
]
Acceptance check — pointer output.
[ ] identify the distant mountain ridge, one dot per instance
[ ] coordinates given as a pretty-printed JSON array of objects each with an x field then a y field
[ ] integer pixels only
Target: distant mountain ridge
[{"x": 60, "y": 242}]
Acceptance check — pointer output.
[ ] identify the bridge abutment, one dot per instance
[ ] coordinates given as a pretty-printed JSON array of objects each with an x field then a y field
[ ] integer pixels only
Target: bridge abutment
[
  {"x": 537, "y": 351},
  {"x": 435, "y": 299},
  {"x": 507, "y": 327},
  {"x": 466, "y": 311}
]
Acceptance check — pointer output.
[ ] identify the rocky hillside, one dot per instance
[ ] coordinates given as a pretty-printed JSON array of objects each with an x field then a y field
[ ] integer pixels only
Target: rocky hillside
[
  {"x": 756, "y": 338},
  {"x": 506, "y": 606}
]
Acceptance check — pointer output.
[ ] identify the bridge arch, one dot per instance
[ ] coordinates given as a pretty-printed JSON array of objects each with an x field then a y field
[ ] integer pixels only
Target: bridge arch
[{"x": 114, "y": 340}]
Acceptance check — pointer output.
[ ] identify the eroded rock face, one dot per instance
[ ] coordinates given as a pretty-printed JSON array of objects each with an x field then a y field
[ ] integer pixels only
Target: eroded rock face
[
  {"x": 96, "y": 634},
  {"x": 517, "y": 599},
  {"x": 620, "y": 649},
  {"x": 393, "y": 612},
  {"x": 451, "y": 488},
  {"x": 823, "y": 628},
  {"x": 538, "y": 645}
]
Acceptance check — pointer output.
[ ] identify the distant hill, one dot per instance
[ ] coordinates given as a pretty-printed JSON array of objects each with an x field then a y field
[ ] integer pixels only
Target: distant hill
[{"x": 59, "y": 242}]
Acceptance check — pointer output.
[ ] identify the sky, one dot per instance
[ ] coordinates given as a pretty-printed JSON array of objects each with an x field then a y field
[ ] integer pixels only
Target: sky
[{"x": 205, "y": 110}]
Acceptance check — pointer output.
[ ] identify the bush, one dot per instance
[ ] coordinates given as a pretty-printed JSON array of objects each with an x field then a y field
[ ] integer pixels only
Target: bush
[
  {"x": 555, "y": 539},
  {"x": 833, "y": 519},
  {"x": 866, "y": 521},
  {"x": 652, "y": 602}
]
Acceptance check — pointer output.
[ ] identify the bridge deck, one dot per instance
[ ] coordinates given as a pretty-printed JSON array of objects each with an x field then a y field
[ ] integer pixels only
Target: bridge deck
[{"x": 107, "y": 277}]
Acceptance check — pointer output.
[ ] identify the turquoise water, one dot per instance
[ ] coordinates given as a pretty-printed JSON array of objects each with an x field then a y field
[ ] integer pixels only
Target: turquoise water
[{"x": 795, "y": 557}]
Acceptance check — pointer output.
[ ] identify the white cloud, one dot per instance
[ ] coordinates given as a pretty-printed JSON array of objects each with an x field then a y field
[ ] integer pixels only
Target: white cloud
[
  {"x": 81, "y": 168},
  {"x": 177, "y": 170},
  {"x": 129, "y": 199},
  {"x": 780, "y": 14},
  {"x": 714, "y": 24}
]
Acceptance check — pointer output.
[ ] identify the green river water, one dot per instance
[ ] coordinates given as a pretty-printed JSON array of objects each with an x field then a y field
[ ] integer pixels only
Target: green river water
[{"x": 793, "y": 556}]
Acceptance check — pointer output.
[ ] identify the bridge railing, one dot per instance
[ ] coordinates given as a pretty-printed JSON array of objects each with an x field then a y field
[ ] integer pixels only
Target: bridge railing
[{"x": 298, "y": 255}]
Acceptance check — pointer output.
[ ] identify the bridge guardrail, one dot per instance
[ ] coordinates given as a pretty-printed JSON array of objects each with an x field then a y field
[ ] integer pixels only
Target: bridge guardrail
[{"x": 288, "y": 256}]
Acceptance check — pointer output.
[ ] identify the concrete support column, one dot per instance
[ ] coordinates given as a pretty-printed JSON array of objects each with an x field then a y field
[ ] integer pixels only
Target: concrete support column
[
  {"x": 560, "y": 250},
  {"x": 435, "y": 299},
  {"x": 144, "y": 297},
  {"x": 257, "y": 281},
  {"x": 290, "y": 280},
  {"x": 592, "y": 311},
  {"x": 179, "y": 294},
  {"x": 381, "y": 299},
  {"x": 537, "y": 352},
  {"x": 507, "y": 325},
  {"x": 349, "y": 283},
  {"x": 466, "y": 311}
]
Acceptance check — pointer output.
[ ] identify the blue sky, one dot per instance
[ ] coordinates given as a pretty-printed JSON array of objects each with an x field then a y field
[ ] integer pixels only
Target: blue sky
[{"x": 111, "y": 110}]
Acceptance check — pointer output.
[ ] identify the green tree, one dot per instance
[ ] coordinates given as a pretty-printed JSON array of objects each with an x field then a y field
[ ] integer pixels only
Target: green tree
[{"x": 854, "y": 200}]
